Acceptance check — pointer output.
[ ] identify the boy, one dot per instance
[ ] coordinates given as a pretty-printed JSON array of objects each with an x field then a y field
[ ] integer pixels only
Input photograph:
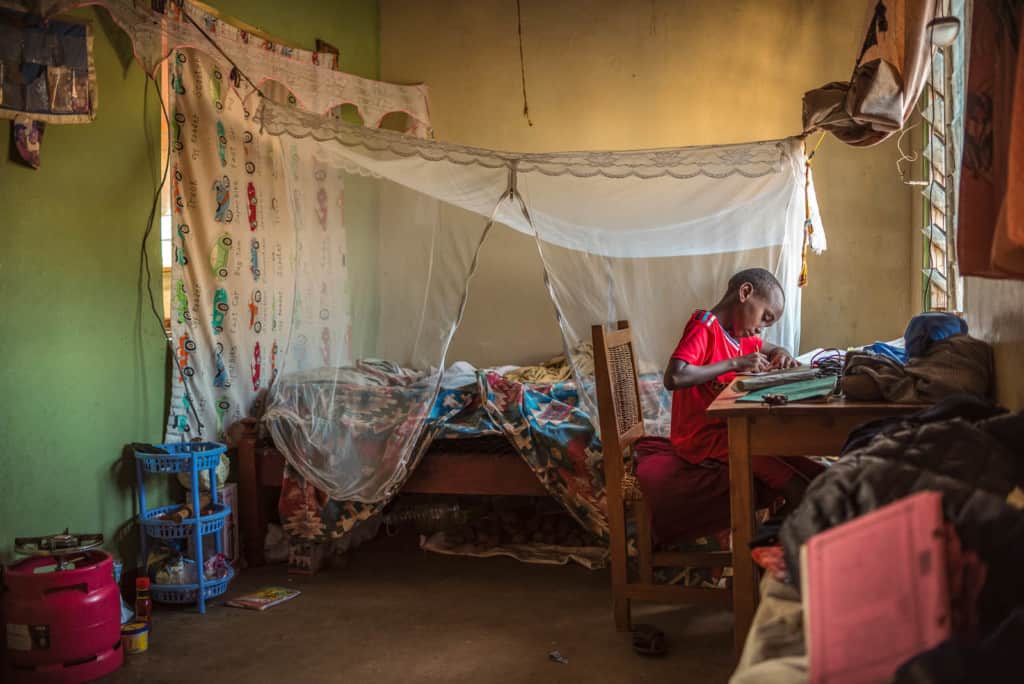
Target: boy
[{"x": 715, "y": 346}]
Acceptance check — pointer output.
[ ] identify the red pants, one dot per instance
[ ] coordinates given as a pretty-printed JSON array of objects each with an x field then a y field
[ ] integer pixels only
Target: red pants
[
  {"x": 774, "y": 473},
  {"x": 688, "y": 500}
]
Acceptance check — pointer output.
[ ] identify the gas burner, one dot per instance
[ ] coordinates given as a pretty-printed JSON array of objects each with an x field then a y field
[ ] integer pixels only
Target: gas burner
[{"x": 62, "y": 544}]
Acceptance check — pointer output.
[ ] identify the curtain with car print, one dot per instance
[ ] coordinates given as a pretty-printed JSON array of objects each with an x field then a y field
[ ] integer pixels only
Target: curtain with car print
[{"x": 243, "y": 261}]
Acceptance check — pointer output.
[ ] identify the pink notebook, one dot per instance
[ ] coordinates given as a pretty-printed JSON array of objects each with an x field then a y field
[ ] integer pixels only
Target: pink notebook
[{"x": 875, "y": 591}]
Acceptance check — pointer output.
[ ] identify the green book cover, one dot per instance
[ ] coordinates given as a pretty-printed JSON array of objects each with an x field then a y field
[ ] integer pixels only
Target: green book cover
[{"x": 796, "y": 391}]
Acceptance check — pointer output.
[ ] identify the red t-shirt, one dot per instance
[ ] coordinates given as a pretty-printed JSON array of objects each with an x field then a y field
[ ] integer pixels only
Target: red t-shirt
[{"x": 695, "y": 436}]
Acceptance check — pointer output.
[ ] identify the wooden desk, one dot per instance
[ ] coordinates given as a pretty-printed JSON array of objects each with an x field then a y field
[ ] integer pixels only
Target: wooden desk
[{"x": 813, "y": 428}]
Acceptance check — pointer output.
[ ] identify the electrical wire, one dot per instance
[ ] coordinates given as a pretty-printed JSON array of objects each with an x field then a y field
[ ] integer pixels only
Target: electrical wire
[
  {"x": 829, "y": 362},
  {"x": 522, "y": 62}
]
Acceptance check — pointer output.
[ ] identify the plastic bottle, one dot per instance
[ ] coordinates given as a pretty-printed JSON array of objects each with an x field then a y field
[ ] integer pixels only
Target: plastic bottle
[{"x": 143, "y": 603}]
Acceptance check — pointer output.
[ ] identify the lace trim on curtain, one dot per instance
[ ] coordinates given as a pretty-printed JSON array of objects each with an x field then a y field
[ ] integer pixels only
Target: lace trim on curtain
[
  {"x": 308, "y": 76},
  {"x": 751, "y": 160}
]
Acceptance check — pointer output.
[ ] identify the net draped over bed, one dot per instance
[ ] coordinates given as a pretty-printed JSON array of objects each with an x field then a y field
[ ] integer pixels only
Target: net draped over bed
[{"x": 645, "y": 235}]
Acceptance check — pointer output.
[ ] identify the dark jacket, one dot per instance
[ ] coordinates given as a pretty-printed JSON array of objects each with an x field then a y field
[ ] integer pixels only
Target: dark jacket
[{"x": 974, "y": 464}]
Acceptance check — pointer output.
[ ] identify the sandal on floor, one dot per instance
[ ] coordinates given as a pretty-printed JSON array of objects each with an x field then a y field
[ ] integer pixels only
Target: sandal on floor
[{"x": 648, "y": 640}]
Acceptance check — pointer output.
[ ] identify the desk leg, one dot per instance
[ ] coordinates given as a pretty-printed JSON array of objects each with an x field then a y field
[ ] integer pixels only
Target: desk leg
[{"x": 741, "y": 503}]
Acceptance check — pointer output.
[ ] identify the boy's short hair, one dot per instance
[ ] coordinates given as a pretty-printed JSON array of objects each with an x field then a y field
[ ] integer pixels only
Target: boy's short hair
[{"x": 762, "y": 280}]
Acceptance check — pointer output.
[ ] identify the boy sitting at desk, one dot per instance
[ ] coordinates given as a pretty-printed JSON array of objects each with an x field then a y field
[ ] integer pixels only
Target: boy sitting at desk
[{"x": 716, "y": 345}]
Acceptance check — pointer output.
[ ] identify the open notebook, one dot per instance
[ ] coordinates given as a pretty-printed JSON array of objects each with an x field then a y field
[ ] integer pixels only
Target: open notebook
[{"x": 875, "y": 592}]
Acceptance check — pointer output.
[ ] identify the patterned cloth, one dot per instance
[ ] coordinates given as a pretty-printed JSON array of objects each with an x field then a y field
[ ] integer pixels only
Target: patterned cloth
[
  {"x": 238, "y": 243},
  {"x": 545, "y": 424}
]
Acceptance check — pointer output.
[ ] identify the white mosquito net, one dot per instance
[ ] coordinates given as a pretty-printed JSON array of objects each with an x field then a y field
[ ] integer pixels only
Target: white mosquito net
[{"x": 646, "y": 236}]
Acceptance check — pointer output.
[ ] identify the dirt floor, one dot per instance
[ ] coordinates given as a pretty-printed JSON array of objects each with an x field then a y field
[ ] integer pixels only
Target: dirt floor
[{"x": 398, "y": 614}]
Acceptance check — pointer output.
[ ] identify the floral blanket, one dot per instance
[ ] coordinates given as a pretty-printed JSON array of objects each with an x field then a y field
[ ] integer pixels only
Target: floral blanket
[{"x": 545, "y": 424}]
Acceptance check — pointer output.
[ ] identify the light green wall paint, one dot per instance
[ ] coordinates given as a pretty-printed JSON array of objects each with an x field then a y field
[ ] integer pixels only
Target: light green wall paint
[{"x": 82, "y": 362}]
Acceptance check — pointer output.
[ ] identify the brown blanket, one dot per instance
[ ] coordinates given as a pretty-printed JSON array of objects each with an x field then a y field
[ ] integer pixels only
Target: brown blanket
[{"x": 959, "y": 364}]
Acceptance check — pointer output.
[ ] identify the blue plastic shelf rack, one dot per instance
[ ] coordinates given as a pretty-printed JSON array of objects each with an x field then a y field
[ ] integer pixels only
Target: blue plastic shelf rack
[{"x": 192, "y": 458}]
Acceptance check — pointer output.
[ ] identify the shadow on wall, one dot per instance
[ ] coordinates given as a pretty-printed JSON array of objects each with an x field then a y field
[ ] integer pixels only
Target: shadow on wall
[{"x": 995, "y": 312}]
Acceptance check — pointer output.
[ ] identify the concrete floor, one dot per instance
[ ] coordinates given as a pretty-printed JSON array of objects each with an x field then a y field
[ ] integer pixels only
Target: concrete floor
[{"x": 398, "y": 614}]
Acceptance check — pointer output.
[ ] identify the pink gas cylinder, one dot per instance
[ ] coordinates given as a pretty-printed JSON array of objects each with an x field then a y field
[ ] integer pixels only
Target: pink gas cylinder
[{"x": 62, "y": 611}]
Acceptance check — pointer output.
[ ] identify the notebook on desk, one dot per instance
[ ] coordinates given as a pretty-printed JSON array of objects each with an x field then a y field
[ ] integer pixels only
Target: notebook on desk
[
  {"x": 794, "y": 391},
  {"x": 755, "y": 381},
  {"x": 875, "y": 591}
]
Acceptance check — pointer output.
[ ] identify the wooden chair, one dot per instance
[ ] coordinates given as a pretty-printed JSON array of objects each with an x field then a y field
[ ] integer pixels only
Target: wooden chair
[{"x": 622, "y": 424}]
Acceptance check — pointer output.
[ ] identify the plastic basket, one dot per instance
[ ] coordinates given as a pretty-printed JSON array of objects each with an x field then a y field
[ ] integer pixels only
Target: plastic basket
[
  {"x": 167, "y": 529},
  {"x": 179, "y": 457},
  {"x": 189, "y": 593}
]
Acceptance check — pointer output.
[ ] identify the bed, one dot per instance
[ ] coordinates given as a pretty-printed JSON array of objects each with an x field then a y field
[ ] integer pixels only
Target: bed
[
  {"x": 487, "y": 465},
  {"x": 495, "y": 436}
]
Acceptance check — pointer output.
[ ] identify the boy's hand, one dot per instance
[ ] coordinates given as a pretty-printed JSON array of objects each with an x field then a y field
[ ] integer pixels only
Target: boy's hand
[
  {"x": 751, "y": 363},
  {"x": 780, "y": 358}
]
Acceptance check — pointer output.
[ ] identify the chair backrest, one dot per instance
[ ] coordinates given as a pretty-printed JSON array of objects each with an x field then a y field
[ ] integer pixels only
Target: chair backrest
[{"x": 618, "y": 396}]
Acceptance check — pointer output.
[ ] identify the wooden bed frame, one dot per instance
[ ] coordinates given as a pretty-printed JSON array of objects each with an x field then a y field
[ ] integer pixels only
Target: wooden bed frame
[{"x": 477, "y": 466}]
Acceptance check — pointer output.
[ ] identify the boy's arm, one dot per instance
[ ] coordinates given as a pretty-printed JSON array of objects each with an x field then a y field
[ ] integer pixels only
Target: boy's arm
[
  {"x": 680, "y": 374},
  {"x": 778, "y": 356}
]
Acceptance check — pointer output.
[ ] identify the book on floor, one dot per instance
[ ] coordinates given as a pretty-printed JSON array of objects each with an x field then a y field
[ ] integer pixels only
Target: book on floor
[
  {"x": 267, "y": 597},
  {"x": 875, "y": 591}
]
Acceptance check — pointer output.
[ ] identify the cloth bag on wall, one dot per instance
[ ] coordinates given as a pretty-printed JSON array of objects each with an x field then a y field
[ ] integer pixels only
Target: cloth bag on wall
[{"x": 888, "y": 76}]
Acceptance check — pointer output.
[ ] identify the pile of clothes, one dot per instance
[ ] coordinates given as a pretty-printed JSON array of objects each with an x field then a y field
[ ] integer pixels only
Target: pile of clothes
[
  {"x": 970, "y": 451},
  {"x": 939, "y": 359}
]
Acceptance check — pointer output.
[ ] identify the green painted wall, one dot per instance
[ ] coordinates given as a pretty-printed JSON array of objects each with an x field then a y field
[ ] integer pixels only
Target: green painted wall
[{"x": 82, "y": 362}]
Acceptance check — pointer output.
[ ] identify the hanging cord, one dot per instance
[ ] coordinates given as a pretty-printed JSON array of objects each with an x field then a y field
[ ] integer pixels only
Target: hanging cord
[
  {"x": 906, "y": 156},
  {"x": 144, "y": 255},
  {"x": 522, "y": 62},
  {"x": 212, "y": 42},
  {"x": 808, "y": 222}
]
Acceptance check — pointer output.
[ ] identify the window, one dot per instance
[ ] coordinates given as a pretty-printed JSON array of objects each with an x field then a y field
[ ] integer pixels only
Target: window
[{"x": 941, "y": 111}]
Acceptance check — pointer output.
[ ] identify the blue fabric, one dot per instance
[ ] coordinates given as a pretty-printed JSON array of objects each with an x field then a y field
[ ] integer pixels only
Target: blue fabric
[
  {"x": 883, "y": 349},
  {"x": 926, "y": 328}
]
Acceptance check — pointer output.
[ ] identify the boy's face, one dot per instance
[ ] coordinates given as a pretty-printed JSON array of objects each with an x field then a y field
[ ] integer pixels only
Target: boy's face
[{"x": 756, "y": 310}]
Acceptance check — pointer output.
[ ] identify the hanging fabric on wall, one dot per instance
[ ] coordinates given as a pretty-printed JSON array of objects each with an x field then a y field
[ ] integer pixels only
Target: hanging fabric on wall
[
  {"x": 889, "y": 74},
  {"x": 990, "y": 232},
  {"x": 240, "y": 239},
  {"x": 46, "y": 69}
]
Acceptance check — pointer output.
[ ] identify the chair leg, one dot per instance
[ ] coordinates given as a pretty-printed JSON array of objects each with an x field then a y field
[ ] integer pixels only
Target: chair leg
[
  {"x": 643, "y": 541},
  {"x": 622, "y": 613},
  {"x": 620, "y": 578}
]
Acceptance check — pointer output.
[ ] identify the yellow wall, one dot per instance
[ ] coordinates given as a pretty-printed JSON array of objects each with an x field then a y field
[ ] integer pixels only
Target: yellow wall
[{"x": 616, "y": 75}]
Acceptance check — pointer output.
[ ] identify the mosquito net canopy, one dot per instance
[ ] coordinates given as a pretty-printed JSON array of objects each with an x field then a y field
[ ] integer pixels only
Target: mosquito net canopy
[{"x": 646, "y": 236}]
